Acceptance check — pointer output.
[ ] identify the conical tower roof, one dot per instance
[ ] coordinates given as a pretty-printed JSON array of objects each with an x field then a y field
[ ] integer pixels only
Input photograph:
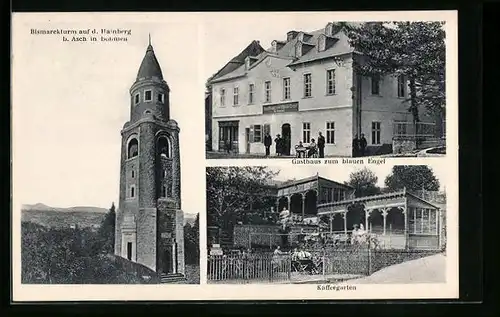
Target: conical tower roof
[{"x": 149, "y": 66}]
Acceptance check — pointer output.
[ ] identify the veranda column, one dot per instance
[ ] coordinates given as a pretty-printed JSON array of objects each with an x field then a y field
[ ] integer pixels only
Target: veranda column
[
  {"x": 331, "y": 223},
  {"x": 278, "y": 205},
  {"x": 289, "y": 203},
  {"x": 415, "y": 219},
  {"x": 303, "y": 205},
  {"x": 436, "y": 211},
  {"x": 384, "y": 215},
  {"x": 367, "y": 215},
  {"x": 407, "y": 238},
  {"x": 344, "y": 215}
]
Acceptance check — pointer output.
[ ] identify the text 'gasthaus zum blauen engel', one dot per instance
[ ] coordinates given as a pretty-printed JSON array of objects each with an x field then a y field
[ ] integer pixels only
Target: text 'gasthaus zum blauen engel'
[
  {"x": 87, "y": 35},
  {"x": 374, "y": 161}
]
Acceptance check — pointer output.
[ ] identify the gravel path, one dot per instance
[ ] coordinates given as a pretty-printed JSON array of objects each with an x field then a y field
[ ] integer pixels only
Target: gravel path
[{"x": 431, "y": 269}]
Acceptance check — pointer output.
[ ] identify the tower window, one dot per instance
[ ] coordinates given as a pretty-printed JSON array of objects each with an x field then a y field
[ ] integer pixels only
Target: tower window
[
  {"x": 133, "y": 148},
  {"x": 161, "y": 98},
  {"x": 133, "y": 174},
  {"x": 148, "y": 95},
  {"x": 164, "y": 147},
  {"x": 164, "y": 191},
  {"x": 136, "y": 98},
  {"x": 132, "y": 191}
]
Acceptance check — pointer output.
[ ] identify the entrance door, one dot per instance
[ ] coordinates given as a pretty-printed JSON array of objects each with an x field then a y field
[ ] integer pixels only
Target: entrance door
[
  {"x": 167, "y": 258},
  {"x": 247, "y": 140},
  {"x": 129, "y": 251},
  {"x": 286, "y": 133}
]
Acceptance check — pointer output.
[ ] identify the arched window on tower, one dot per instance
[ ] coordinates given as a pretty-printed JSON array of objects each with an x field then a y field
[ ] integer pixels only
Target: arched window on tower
[
  {"x": 133, "y": 148},
  {"x": 164, "y": 191},
  {"x": 164, "y": 147}
]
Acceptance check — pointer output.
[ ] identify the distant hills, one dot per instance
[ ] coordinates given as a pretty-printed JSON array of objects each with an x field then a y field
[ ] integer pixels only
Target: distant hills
[{"x": 83, "y": 216}]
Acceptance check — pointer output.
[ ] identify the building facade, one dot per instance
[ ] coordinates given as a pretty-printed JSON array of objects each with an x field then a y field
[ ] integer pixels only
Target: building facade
[
  {"x": 304, "y": 85},
  {"x": 149, "y": 219}
]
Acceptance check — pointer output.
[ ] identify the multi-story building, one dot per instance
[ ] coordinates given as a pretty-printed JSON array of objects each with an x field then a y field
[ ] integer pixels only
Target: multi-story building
[{"x": 304, "y": 85}]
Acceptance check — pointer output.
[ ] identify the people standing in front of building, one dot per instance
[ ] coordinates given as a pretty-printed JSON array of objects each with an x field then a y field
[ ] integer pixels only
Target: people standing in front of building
[
  {"x": 278, "y": 141},
  {"x": 228, "y": 145},
  {"x": 321, "y": 145},
  {"x": 362, "y": 144},
  {"x": 267, "y": 143},
  {"x": 355, "y": 146}
]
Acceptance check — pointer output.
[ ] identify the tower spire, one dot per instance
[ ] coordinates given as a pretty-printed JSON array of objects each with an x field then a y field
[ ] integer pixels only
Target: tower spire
[{"x": 149, "y": 38}]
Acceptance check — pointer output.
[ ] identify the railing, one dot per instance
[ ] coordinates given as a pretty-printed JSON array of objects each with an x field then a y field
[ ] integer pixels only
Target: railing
[
  {"x": 325, "y": 265},
  {"x": 410, "y": 129}
]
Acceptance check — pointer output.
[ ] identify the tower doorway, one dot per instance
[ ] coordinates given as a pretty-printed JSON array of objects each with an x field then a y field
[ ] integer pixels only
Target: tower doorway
[
  {"x": 247, "y": 140},
  {"x": 286, "y": 133},
  {"x": 129, "y": 251}
]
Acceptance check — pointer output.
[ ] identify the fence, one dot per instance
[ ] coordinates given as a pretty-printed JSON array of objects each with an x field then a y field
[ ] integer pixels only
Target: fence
[
  {"x": 410, "y": 129},
  {"x": 327, "y": 265}
]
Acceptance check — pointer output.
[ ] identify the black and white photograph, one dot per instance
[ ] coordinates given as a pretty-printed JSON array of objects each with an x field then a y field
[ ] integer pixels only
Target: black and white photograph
[
  {"x": 362, "y": 225},
  {"x": 327, "y": 88},
  {"x": 101, "y": 145},
  {"x": 212, "y": 156}
]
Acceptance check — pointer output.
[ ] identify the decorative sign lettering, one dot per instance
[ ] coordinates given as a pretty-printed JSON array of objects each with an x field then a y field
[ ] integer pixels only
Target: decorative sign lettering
[
  {"x": 275, "y": 73},
  {"x": 228, "y": 123},
  {"x": 279, "y": 108}
]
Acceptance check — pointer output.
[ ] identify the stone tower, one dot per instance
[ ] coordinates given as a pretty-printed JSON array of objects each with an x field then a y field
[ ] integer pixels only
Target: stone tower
[{"x": 149, "y": 220}]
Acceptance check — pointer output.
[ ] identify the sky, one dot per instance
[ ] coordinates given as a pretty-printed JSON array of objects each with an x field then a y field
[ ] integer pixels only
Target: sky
[
  {"x": 71, "y": 99},
  {"x": 340, "y": 173}
]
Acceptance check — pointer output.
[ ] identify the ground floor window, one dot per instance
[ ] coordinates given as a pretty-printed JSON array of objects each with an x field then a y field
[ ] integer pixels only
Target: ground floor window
[
  {"x": 257, "y": 133},
  {"x": 330, "y": 132},
  {"x": 375, "y": 132},
  {"x": 306, "y": 132}
]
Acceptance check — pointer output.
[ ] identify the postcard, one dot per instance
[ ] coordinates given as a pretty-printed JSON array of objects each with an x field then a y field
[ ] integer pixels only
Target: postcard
[{"x": 234, "y": 156}]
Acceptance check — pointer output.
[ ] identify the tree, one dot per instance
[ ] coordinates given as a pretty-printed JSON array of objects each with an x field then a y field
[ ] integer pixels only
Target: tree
[
  {"x": 106, "y": 232},
  {"x": 192, "y": 241},
  {"x": 364, "y": 181},
  {"x": 231, "y": 190},
  {"x": 415, "y": 50},
  {"x": 412, "y": 177}
]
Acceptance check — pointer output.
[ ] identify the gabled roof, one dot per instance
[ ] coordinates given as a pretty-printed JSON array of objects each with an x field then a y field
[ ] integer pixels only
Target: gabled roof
[
  {"x": 149, "y": 67},
  {"x": 236, "y": 67},
  {"x": 253, "y": 49},
  {"x": 310, "y": 179}
]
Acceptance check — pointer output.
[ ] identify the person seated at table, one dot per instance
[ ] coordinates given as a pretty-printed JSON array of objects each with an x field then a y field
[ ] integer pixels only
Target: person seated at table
[
  {"x": 300, "y": 149},
  {"x": 313, "y": 148}
]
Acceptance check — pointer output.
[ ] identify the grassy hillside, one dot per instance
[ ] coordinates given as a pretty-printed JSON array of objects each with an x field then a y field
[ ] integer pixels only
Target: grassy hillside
[{"x": 62, "y": 219}]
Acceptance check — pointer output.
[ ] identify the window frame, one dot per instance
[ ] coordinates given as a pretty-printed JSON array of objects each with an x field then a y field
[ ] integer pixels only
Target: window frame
[
  {"x": 260, "y": 129},
  {"x": 236, "y": 96},
  {"x": 330, "y": 80},
  {"x": 375, "y": 79},
  {"x": 222, "y": 97},
  {"x": 137, "y": 98},
  {"x": 307, "y": 79},
  {"x": 306, "y": 132},
  {"x": 161, "y": 97},
  {"x": 251, "y": 93},
  {"x": 151, "y": 95},
  {"x": 267, "y": 91},
  {"x": 330, "y": 132},
  {"x": 376, "y": 133},
  {"x": 287, "y": 88}
]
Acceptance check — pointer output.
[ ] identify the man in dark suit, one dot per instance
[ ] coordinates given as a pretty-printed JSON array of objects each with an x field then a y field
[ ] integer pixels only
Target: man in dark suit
[
  {"x": 267, "y": 143},
  {"x": 362, "y": 144},
  {"x": 321, "y": 145},
  {"x": 355, "y": 146}
]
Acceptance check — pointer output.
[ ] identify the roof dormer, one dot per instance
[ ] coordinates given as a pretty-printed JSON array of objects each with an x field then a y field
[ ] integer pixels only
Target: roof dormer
[
  {"x": 329, "y": 29},
  {"x": 277, "y": 45},
  {"x": 249, "y": 61},
  {"x": 302, "y": 48},
  {"x": 304, "y": 37},
  {"x": 325, "y": 42},
  {"x": 291, "y": 35}
]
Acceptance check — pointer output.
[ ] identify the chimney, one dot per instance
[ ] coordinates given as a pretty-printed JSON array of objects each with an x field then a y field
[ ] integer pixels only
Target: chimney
[{"x": 291, "y": 35}]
